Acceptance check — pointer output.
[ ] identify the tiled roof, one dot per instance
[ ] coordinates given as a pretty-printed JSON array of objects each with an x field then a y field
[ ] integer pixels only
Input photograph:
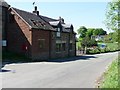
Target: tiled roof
[
  {"x": 54, "y": 23},
  {"x": 42, "y": 22},
  {"x": 67, "y": 25},
  {"x": 33, "y": 20},
  {"x": 47, "y": 19}
]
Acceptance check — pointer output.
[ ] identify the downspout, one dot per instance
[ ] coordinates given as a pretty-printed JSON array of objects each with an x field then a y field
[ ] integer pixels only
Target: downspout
[
  {"x": 6, "y": 28},
  {"x": 50, "y": 45},
  {"x": 69, "y": 45},
  {"x": 75, "y": 44}
]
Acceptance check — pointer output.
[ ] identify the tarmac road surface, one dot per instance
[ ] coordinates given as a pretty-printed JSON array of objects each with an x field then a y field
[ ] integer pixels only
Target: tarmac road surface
[{"x": 78, "y": 72}]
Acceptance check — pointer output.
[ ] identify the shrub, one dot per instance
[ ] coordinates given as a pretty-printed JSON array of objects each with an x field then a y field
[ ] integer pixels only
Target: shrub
[{"x": 93, "y": 51}]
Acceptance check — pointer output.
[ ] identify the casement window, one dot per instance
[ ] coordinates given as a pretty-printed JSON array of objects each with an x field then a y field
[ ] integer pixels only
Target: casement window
[
  {"x": 41, "y": 43},
  {"x": 58, "y": 32},
  {"x": 63, "y": 46},
  {"x": 58, "y": 47},
  {"x": 4, "y": 43}
]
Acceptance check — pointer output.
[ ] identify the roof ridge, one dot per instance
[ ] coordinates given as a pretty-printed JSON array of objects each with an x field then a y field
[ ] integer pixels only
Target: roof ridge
[
  {"x": 34, "y": 14},
  {"x": 49, "y": 17},
  {"x": 37, "y": 17},
  {"x": 23, "y": 10}
]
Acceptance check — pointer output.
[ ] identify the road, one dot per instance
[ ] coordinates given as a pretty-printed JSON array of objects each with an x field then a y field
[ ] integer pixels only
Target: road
[{"x": 79, "y": 72}]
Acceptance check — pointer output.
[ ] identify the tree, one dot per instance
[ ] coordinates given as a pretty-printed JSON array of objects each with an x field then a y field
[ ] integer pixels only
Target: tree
[
  {"x": 99, "y": 31},
  {"x": 87, "y": 42},
  {"x": 113, "y": 15},
  {"x": 93, "y": 42},
  {"x": 89, "y": 32},
  {"x": 113, "y": 36},
  {"x": 82, "y": 31}
]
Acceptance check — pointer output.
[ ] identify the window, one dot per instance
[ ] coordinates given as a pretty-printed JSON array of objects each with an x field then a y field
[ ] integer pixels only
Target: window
[
  {"x": 70, "y": 46},
  {"x": 58, "y": 32},
  {"x": 58, "y": 29},
  {"x": 58, "y": 47},
  {"x": 41, "y": 43},
  {"x": 63, "y": 46},
  {"x": 4, "y": 43}
]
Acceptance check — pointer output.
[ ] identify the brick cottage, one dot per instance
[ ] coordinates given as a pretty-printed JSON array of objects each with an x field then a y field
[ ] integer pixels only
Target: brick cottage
[{"x": 39, "y": 37}]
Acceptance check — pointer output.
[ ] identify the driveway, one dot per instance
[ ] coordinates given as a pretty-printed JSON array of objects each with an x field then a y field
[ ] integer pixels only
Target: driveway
[{"x": 78, "y": 72}]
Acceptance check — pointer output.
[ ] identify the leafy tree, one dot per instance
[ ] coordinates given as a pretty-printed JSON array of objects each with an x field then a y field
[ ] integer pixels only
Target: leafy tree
[
  {"x": 89, "y": 32},
  {"x": 113, "y": 15},
  {"x": 93, "y": 42},
  {"x": 87, "y": 42},
  {"x": 113, "y": 36},
  {"x": 99, "y": 31},
  {"x": 82, "y": 31},
  {"x": 112, "y": 20}
]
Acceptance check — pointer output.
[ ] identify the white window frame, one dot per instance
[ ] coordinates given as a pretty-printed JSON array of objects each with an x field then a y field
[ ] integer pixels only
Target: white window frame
[
  {"x": 4, "y": 43},
  {"x": 58, "y": 32}
]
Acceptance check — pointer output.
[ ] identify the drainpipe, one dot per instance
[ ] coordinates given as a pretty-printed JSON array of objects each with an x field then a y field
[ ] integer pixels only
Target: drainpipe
[
  {"x": 69, "y": 45},
  {"x": 75, "y": 44},
  {"x": 50, "y": 39}
]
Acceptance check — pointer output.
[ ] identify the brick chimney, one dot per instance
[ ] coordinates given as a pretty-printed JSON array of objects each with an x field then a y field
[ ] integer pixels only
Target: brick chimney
[
  {"x": 35, "y": 11},
  {"x": 61, "y": 20}
]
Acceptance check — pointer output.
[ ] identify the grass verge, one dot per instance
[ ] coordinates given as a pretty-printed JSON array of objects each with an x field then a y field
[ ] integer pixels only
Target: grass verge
[{"x": 110, "y": 78}]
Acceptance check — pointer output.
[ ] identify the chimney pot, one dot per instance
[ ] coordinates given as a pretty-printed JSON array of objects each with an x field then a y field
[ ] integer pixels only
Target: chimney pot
[
  {"x": 35, "y": 8},
  {"x": 35, "y": 11},
  {"x": 61, "y": 20}
]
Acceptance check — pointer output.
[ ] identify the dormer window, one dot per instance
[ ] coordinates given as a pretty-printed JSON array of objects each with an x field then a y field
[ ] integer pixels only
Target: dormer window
[
  {"x": 58, "y": 29},
  {"x": 58, "y": 32}
]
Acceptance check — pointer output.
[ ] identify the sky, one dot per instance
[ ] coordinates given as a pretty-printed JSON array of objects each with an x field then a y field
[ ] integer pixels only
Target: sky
[{"x": 89, "y": 14}]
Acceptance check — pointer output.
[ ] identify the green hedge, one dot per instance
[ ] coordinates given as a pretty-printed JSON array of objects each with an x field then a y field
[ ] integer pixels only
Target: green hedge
[{"x": 98, "y": 50}]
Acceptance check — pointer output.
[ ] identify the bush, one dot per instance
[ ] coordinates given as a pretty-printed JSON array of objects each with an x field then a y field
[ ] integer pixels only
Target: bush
[
  {"x": 99, "y": 50},
  {"x": 93, "y": 51}
]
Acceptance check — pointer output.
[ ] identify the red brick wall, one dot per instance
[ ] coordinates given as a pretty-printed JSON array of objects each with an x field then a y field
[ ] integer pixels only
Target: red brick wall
[
  {"x": 73, "y": 51},
  {"x": 37, "y": 52},
  {"x": 67, "y": 52},
  {"x": 19, "y": 37}
]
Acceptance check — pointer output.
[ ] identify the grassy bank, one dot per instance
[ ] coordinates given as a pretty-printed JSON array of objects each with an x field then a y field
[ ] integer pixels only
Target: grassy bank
[
  {"x": 110, "y": 78},
  {"x": 111, "y": 46}
]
